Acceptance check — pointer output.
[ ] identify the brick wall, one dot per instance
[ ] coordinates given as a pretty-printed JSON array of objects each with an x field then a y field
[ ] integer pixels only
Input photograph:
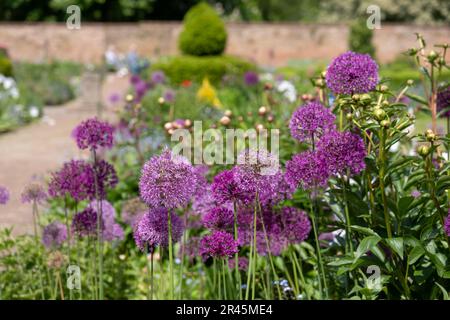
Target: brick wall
[{"x": 267, "y": 44}]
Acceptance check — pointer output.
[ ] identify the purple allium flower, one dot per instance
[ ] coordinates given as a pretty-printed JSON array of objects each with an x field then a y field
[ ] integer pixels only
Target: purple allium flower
[
  {"x": 133, "y": 210},
  {"x": 256, "y": 172},
  {"x": 158, "y": 77},
  {"x": 111, "y": 230},
  {"x": 447, "y": 225},
  {"x": 310, "y": 121},
  {"x": 4, "y": 195},
  {"x": 135, "y": 79},
  {"x": 54, "y": 235},
  {"x": 141, "y": 87},
  {"x": 76, "y": 178},
  {"x": 84, "y": 223},
  {"x": 242, "y": 263},
  {"x": 219, "y": 244},
  {"x": 296, "y": 225},
  {"x": 114, "y": 98},
  {"x": 153, "y": 229},
  {"x": 251, "y": 78},
  {"x": 219, "y": 218},
  {"x": 352, "y": 73},
  {"x": 225, "y": 188},
  {"x": 33, "y": 192},
  {"x": 169, "y": 95},
  {"x": 307, "y": 170},
  {"x": 167, "y": 181},
  {"x": 106, "y": 177},
  {"x": 94, "y": 134},
  {"x": 443, "y": 102},
  {"x": 342, "y": 151},
  {"x": 415, "y": 194}
]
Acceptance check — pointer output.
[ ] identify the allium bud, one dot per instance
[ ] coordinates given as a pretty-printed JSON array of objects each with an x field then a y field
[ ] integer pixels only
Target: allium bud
[
  {"x": 129, "y": 98},
  {"x": 225, "y": 120},
  {"x": 384, "y": 88},
  {"x": 423, "y": 150},
  {"x": 168, "y": 125},
  {"x": 410, "y": 82},
  {"x": 349, "y": 116},
  {"x": 432, "y": 56},
  {"x": 379, "y": 114},
  {"x": 262, "y": 111},
  {"x": 356, "y": 97},
  {"x": 228, "y": 113},
  {"x": 161, "y": 100},
  {"x": 385, "y": 123}
]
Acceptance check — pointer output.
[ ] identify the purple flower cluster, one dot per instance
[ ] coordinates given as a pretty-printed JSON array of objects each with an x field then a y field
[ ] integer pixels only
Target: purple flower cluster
[
  {"x": 93, "y": 134},
  {"x": 219, "y": 244},
  {"x": 153, "y": 229},
  {"x": 111, "y": 230},
  {"x": 352, "y": 73},
  {"x": 296, "y": 225},
  {"x": 140, "y": 87},
  {"x": 310, "y": 121},
  {"x": 54, "y": 235},
  {"x": 4, "y": 195},
  {"x": 169, "y": 95},
  {"x": 447, "y": 225},
  {"x": 443, "y": 101},
  {"x": 342, "y": 151},
  {"x": 226, "y": 188},
  {"x": 33, "y": 192},
  {"x": 158, "y": 77},
  {"x": 132, "y": 211},
  {"x": 167, "y": 181},
  {"x": 251, "y": 78},
  {"x": 307, "y": 170},
  {"x": 219, "y": 218},
  {"x": 77, "y": 179},
  {"x": 84, "y": 223}
]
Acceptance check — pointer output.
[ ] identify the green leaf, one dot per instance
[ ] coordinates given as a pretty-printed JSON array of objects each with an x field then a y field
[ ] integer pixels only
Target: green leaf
[
  {"x": 366, "y": 244},
  {"x": 417, "y": 98},
  {"x": 396, "y": 244},
  {"x": 415, "y": 254},
  {"x": 404, "y": 205},
  {"x": 444, "y": 292},
  {"x": 364, "y": 230}
]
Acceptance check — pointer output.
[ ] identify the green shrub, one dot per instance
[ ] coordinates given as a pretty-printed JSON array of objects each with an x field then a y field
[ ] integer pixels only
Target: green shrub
[
  {"x": 204, "y": 32},
  {"x": 196, "y": 68},
  {"x": 5, "y": 66},
  {"x": 360, "y": 39}
]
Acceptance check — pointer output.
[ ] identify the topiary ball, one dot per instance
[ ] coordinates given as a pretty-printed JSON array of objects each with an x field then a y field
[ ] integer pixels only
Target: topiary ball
[{"x": 203, "y": 33}]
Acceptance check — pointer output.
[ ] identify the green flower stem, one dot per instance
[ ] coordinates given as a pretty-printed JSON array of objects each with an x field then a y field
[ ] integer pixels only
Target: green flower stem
[
  {"x": 321, "y": 272},
  {"x": 382, "y": 171},
  {"x": 236, "y": 256},
  {"x": 99, "y": 231},
  {"x": 169, "y": 217}
]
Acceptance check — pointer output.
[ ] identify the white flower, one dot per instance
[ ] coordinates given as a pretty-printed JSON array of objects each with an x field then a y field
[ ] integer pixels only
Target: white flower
[
  {"x": 288, "y": 90},
  {"x": 266, "y": 76},
  {"x": 9, "y": 83},
  {"x": 34, "y": 111}
]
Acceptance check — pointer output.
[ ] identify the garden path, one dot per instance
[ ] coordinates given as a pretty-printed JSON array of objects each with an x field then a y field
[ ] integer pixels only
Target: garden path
[{"x": 32, "y": 152}]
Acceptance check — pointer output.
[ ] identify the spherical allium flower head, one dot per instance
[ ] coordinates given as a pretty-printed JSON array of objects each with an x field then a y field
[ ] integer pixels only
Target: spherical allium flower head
[
  {"x": 352, "y": 73},
  {"x": 153, "y": 229},
  {"x": 167, "y": 181},
  {"x": 4, "y": 195},
  {"x": 219, "y": 218},
  {"x": 84, "y": 223},
  {"x": 76, "y": 178},
  {"x": 251, "y": 78},
  {"x": 443, "y": 102},
  {"x": 225, "y": 188},
  {"x": 296, "y": 225},
  {"x": 94, "y": 134},
  {"x": 169, "y": 96},
  {"x": 219, "y": 244},
  {"x": 106, "y": 177},
  {"x": 256, "y": 172},
  {"x": 307, "y": 170},
  {"x": 158, "y": 77},
  {"x": 111, "y": 230},
  {"x": 447, "y": 225},
  {"x": 310, "y": 121},
  {"x": 133, "y": 210},
  {"x": 242, "y": 263},
  {"x": 33, "y": 192},
  {"x": 342, "y": 151},
  {"x": 54, "y": 235}
]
